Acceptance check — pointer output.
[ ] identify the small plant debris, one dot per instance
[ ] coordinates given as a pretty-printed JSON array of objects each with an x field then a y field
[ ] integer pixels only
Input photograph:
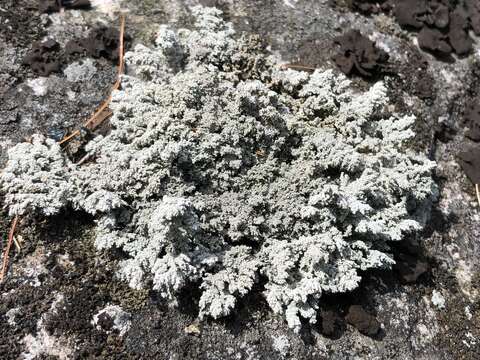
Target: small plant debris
[
  {"x": 6, "y": 253},
  {"x": 357, "y": 54}
]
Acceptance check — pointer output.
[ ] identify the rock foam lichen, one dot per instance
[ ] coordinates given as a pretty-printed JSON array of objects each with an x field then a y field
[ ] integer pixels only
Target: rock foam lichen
[{"x": 224, "y": 171}]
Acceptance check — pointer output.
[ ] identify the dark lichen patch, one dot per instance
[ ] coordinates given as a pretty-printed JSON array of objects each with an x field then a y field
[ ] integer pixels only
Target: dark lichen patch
[
  {"x": 443, "y": 25},
  {"x": 32, "y": 303},
  {"x": 331, "y": 324},
  {"x": 357, "y": 54},
  {"x": 48, "y": 57},
  {"x": 409, "y": 268},
  {"x": 43, "y": 58},
  {"x": 102, "y": 42}
]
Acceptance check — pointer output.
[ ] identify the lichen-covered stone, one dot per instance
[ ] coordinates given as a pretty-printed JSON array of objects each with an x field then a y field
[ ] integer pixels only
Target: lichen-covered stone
[{"x": 215, "y": 175}]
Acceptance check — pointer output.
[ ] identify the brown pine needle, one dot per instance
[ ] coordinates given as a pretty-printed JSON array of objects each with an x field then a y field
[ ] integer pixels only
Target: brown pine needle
[
  {"x": 297, "y": 67},
  {"x": 104, "y": 106},
  {"x": 17, "y": 243},
  {"x": 6, "y": 253},
  {"x": 477, "y": 190}
]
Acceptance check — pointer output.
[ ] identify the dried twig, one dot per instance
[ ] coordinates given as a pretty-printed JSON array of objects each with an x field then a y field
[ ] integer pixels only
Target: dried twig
[
  {"x": 7, "y": 249},
  {"x": 94, "y": 118}
]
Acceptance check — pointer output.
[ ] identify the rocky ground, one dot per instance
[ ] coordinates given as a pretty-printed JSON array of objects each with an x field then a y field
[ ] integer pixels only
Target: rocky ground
[{"x": 61, "y": 298}]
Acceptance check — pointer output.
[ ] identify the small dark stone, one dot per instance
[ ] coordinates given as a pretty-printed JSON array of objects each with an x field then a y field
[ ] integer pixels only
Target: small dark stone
[
  {"x": 363, "y": 321},
  {"x": 357, "y": 53},
  {"x": 469, "y": 160}
]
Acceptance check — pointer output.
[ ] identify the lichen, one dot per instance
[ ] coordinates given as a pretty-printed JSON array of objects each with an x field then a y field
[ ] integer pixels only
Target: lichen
[{"x": 222, "y": 169}]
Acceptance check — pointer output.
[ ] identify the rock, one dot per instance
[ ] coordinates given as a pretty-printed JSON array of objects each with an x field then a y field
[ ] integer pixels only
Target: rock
[{"x": 112, "y": 318}]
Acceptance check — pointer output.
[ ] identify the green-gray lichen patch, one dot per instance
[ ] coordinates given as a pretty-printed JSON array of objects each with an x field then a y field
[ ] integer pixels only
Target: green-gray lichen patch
[{"x": 218, "y": 177}]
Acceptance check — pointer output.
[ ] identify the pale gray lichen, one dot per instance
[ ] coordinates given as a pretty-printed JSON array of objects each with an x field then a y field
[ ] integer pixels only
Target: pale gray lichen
[
  {"x": 79, "y": 71},
  {"x": 438, "y": 300},
  {"x": 222, "y": 170},
  {"x": 282, "y": 345}
]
